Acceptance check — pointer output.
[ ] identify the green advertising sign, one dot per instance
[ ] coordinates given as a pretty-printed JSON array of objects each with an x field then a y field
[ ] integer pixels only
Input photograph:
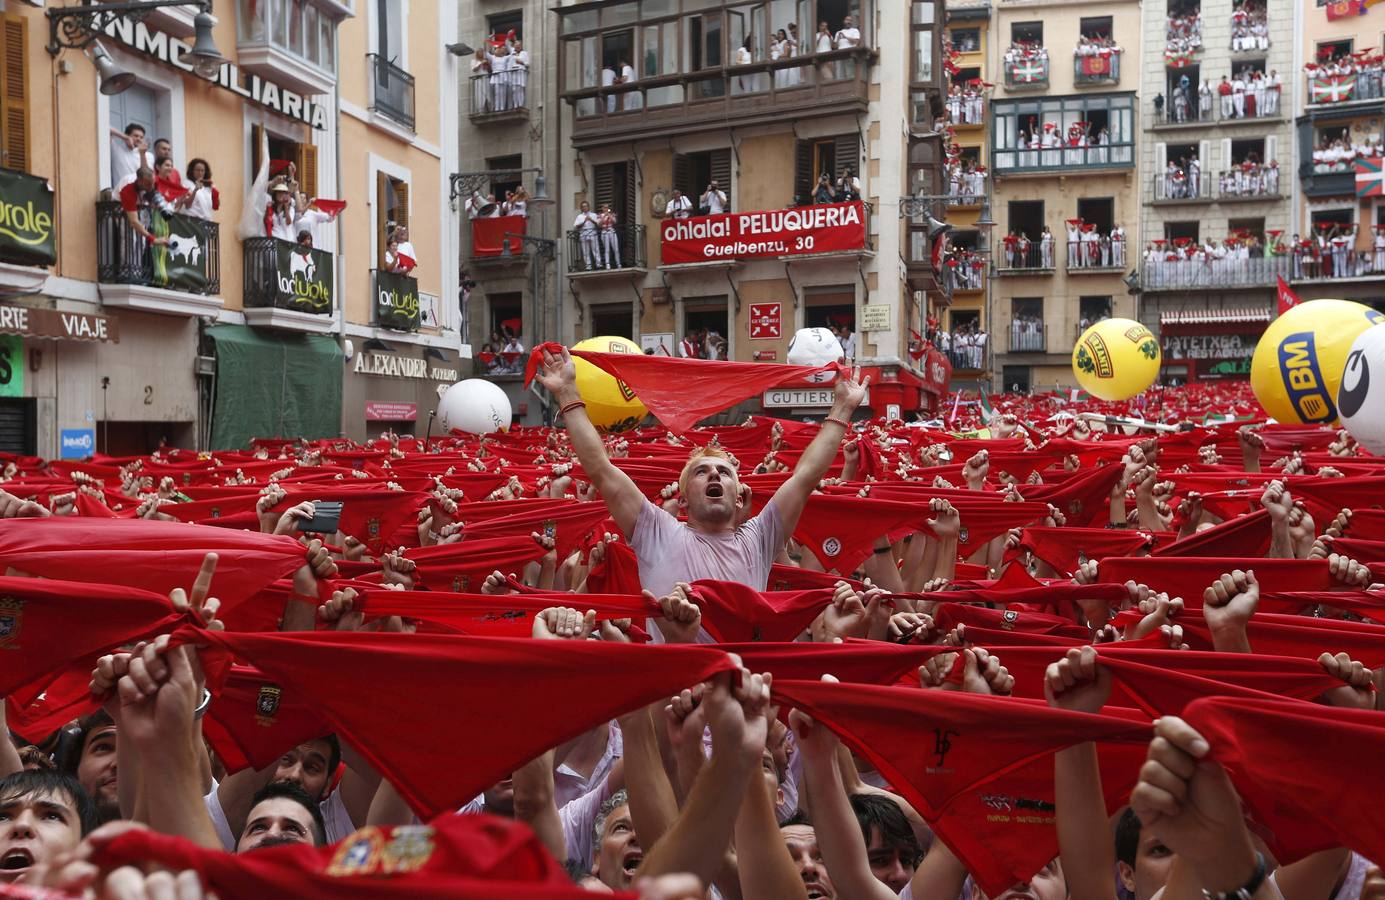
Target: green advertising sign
[
  {"x": 26, "y": 220},
  {"x": 11, "y": 365},
  {"x": 182, "y": 263},
  {"x": 396, "y": 301},
  {"x": 305, "y": 278}
]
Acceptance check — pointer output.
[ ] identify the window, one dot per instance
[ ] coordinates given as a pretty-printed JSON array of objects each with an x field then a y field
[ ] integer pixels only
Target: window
[
  {"x": 823, "y": 156},
  {"x": 1182, "y": 9},
  {"x": 282, "y": 152},
  {"x": 507, "y": 182},
  {"x": 1093, "y": 309},
  {"x": 389, "y": 31},
  {"x": 506, "y": 319},
  {"x": 1174, "y": 231},
  {"x": 1179, "y": 154},
  {"x": 1188, "y": 77},
  {"x": 828, "y": 306},
  {"x": 506, "y": 22},
  {"x": 1323, "y": 217},
  {"x": 967, "y": 75},
  {"x": 1027, "y": 325},
  {"x": 693, "y": 172},
  {"x": 1026, "y": 217},
  {"x": 1096, "y": 27},
  {"x": 613, "y": 319},
  {"x": 1016, "y": 379},
  {"x": 1247, "y": 150},
  {"x": 295, "y": 26},
  {"x": 1097, "y": 210},
  {"x": 614, "y": 183},
  {"x": 1255, "y": 226},
  {"x": 1027, "y": 33},
  {"x": 14, "y": 93},
  {"x": 924, "y": 35},
  {"x": 960, "y": 319},
  {"x": 966, "y": 40},
  {"x": 1107, "y": 121},
  {"x": 1329, "y": 51},
  {"x": 391, "y": 209},
  {"x": 706, "y": 319}
]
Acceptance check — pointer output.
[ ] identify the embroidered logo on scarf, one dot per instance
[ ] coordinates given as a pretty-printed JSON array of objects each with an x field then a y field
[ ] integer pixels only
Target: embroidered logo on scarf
[
  {"x": 832, "y": 546},
  {"x": 1008, "y": 619},
  {"x": 267, "y": 704},
  {"x": 964, "y": 535},
  {"x": 358, "y": 855},
  {"x": 409, "y": 850},
  {"x": 11, "y": 619},
  {"x": 461, "y": 584}
]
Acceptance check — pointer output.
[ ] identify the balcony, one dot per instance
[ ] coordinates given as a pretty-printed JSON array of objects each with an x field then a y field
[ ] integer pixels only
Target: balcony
[
  {"x": 28, "y": 243},
  {"x": 1028, "y": 337},
  {"x": 619, "y": 250},
  {"x": 1167, "y": 117},
  {"x": 182, "y": 278},
  {"x": 1179, "y": 187},
  {"x": 499, "y": 96},
  {"x": 396, "y": 301},
  {"x": 391, "y": 91},
  {"x": 763, "y": 92},
  {"x": 291, "y": 45},
  {"x": 1096, "y": 257},
  {"x": 1029, "y": 71},
  {"x": 1021, "y": 256},
  {"x": 489, "y": 244},
  {"x": 1064, "y": 159},
  {"x": 965, "y": 276},
  {"x": 1339, "y": 90},
  {"x": 1326, "y": 184},
  {"x": 1096, "y": 69},
  {"x": 288, "y": 286},
  {"x": 1242, "y": 185},
  {"x": 1199, "y": 274},
  {"x": 1345, "y": 265},
  {"x": 966, "y": 352}
]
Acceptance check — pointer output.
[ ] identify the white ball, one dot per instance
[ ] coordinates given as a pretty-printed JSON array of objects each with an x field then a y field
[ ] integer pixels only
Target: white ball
[
  {"x": 1361, "y": 397},
  {"x": 815, "y": 347},
  {"x": 475, "y": 406}
]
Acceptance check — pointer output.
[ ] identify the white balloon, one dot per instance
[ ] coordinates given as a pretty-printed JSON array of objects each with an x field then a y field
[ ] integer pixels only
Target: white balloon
[
  {"x": 475, "y": 406},
  {"x": 1361, "y": 397},
  {"x": 815, "y": 347}
]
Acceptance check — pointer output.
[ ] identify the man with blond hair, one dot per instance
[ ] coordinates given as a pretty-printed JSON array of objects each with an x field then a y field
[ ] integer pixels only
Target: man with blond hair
[{"x": 713, "y": 543}]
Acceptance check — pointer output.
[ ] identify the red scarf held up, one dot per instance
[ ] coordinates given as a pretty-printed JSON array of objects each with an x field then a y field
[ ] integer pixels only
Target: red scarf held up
[
  {"x": 1065, "y": 549},
  {"x": 857, "y": 661},
  {"x": 252, "y": 720},
  {"x": 1084, "y": 499},
  {"x": 380, "y": 691},
  {"x": 370, "y": 514},
  {"x": 840, "y": 530},
  {"x": 682, "y": 392},
  {"x": 155, "y": 556},
  {"x": 949, "y": 615},
  {"x": 465, "y": 564},
  {"x": 736, "y": 612},
  {"x": 1280, "y": 635},
  {"x": 504, "y": 615},
  {"x": 455, "y": 857},
  {"x": 1189, "y": 576},
  {"x": 618, "y": 572},
  {"x": 571, "y": 523},
  {"x": 1244, "y": 536},
  {"x": 66, "y": 698},
  {"x": 793, "y": 578},
  {"x": 1286, "y": 757}
]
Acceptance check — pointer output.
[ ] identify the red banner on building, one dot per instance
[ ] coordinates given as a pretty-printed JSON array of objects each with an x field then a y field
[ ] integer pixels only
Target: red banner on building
[
  {"x": 823, "y": 228},
  {"x": 488, "y": 235},
  {"x": 1095, "y": 65}
]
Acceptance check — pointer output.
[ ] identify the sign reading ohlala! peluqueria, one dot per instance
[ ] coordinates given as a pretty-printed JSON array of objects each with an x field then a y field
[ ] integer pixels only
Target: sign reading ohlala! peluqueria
[
  {"x": 26, "y": 220},
  {"x": 821, "y": 228}
]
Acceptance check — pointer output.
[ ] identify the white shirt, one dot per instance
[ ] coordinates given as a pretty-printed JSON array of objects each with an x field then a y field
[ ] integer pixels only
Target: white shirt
[
  {"x": 824, "y": 42},
  {"x": 520, "y": 60},
  {"x": 716, "y": 202},
  {"x": 848, "y": 38},
  {"x": 201, "y": 204},
  {"x": 124, "y": 162},
  {"x": 679, "y": 208},
  {"x": 627, "y": 73},
  {"x": 585, "y": 221}
]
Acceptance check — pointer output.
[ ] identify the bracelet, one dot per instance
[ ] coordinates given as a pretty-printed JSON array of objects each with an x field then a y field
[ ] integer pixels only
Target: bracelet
[
  {"x": 202, "y": 707},
  {"x": 1246, "y": 891},
  {"x": 571, "y": 406},
  {"x": 835, "y": 421}
]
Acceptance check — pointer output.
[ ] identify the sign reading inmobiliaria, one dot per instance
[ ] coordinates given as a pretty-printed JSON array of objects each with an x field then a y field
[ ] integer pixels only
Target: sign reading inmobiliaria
[{"x": 822, "y": 228}]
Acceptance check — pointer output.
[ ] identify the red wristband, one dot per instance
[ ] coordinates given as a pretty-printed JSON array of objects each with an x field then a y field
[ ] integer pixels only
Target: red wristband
[
  {"x": 571, "y": 406},
  {"x": 836, "y": 421}
]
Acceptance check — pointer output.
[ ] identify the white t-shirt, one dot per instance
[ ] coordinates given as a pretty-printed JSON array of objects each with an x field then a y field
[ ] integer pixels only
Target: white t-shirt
[
  {"x": 848, "y": 38},
  {"x": 679, "y": 207},
  {"x": 585, "y": 221},
  {"x": 716, "y": 202},
  {"x": 124, "y": 162},
  {"x": 824, "y": 42}
]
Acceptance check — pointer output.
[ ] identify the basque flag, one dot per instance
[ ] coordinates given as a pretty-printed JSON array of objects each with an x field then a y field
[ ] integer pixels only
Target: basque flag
[{"x": 1370, "y": 179}]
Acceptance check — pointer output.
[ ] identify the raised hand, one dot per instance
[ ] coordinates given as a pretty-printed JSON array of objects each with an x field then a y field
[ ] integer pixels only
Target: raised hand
[
  {"x": 1077, "y": 682},
  {"x": 1358, "y": 690},
  {"x": 849, "y": 392},
  {"x": 1227, "y": 606},
  {"x": 558, "y": 374},
  {"x": 681, "y": 617},
  {"x": 564, "y": 623}
]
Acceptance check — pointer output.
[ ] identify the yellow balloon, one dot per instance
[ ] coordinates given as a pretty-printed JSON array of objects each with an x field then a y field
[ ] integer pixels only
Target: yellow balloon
[
  {"x": 611, "y": 405},
  {"x": 1298, "y": 363},
  {"x": 1116, "y": 359}
]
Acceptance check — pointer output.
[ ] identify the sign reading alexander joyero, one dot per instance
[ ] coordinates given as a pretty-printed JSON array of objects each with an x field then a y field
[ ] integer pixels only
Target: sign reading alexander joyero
[
  {"x": 821, "y": 228},
  {"x": 396, "y": 301},
  {"x": 304, "y": 278},
  {"x": 26, "y": 220}
]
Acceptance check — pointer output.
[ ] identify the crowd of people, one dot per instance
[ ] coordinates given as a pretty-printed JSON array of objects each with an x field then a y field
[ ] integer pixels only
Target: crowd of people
[
  {"x": 1183, "y": 37},
  {"x": 1092, "y": 247},
  {"x": 1336, "y": 154},
  {"x": 486, "y": 206},
  {"x": 1096, "y": 45},
  {"x": 1250, "y": 178},
  {"x": 1026, "y": 62},
  {"x": 499, "y": 75},
  {"x": 1339, "y": 75},
  {"x": 702, "y": 343},
  {"x": 503, "y": 354},
  {"x": 1056, "y": 657},
  {"x": 966, "y": 181},
  {"x": 1250, "y": 26},
  {"x": 964, "y": 346},
  {"x": 597, "y": 236},
  {"x": 1023, "y": 253},
  {"x": 1081, "y": 143},
  {"x": 964, "y": 269},
  {"x": 966, "y": 104}
]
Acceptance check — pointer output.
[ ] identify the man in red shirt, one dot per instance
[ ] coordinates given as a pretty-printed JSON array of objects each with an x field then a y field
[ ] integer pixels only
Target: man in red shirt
[{"x": 140, "y": 194}]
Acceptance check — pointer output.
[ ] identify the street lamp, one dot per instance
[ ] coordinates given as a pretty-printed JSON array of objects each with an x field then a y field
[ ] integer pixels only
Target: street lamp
[{"x": 78, "y": 27}]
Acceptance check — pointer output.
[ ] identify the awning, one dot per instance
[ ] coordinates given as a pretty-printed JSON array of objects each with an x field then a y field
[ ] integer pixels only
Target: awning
[
  {"x": 1249, "y": 316},
  {"x": 272, "y": 384},
  {"x": 34, "y": 322}
]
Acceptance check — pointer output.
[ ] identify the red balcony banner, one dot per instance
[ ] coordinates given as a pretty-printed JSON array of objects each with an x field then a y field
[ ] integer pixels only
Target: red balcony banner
[
  {"x": 1095, "y": 65},
  {"x": 821, "y": 228},
  {"x": 487, "y": 235}
]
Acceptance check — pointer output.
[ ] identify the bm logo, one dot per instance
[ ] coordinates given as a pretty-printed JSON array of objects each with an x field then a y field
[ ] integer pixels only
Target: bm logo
[{"x": 1298, "y": 365}]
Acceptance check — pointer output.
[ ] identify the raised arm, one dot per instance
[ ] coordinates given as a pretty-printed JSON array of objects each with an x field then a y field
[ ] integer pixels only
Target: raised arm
[
  {"x": 622, "y": 497},
  {"x": 817, "y": 459}
]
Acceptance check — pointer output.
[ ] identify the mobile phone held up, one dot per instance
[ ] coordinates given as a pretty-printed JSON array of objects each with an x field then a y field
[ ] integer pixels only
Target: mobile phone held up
[{"x": 326, "y": 517}]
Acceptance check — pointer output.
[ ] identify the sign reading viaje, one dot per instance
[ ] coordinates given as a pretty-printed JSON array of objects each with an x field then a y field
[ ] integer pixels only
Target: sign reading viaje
[
  {"x": 396, "y": 301},
  {"x": 822, "y": 228},
  {"x": 304, "y": 277},
  {"x": 26, "y": 220}
]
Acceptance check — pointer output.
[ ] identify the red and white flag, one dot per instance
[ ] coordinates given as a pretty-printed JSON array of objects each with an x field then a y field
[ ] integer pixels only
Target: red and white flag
[{"x": 1287, "y": 298}]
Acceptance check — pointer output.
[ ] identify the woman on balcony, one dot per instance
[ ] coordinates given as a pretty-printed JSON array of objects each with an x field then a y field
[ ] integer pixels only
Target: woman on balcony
[
  {"x": 480, "y": 82},
  {"x": 610, "y": 241},
  {"x": 399, "y": 254},
  {"x": 204, "y": 197},
  {"x": 281, "y": 216}
]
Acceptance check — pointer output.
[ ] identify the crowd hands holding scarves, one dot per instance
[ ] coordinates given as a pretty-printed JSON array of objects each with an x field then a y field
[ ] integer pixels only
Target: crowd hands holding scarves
[{"x": 873, "y": 661}]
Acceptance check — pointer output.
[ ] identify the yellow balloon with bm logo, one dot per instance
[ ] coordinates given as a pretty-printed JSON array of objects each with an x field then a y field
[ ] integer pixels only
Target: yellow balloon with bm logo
[
  {"x": 611, "y": 405},
  {"x": 1300, "y": 358},
  {"x": 1116, "y": 359}
]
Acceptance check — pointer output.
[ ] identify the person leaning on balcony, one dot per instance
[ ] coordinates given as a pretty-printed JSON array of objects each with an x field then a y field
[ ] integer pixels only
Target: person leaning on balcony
[
  {"x": 204, "y": 197},
  {"x": 400, "y": 258},
  {"x": 586, "y": 225},
  {"x": 678, "y": 207},
  {"x": 129, "y": 151},
  {"x": 610, "y": 241},
  {"x": 281, "y": 215},
  {"x": 142, "y": 193}
]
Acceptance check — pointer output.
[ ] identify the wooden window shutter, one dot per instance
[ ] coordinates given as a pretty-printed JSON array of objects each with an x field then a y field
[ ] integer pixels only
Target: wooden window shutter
[
  {"x": 401, "y": 202},
  {"x": 256, "y": 138},
  {"x": 803, "y": 178},
  {"x": 722, "y": 173},
  {"x": 847, "y": 152},
  {"x": 682, "y": 177},
  {"x": 603, "y": 185},
  {"x": 382, "y": 213},
  {"x": 307, "y": 169},
  {"x": 15, "y": 95},
  {"x": 629, "y": 211}
]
